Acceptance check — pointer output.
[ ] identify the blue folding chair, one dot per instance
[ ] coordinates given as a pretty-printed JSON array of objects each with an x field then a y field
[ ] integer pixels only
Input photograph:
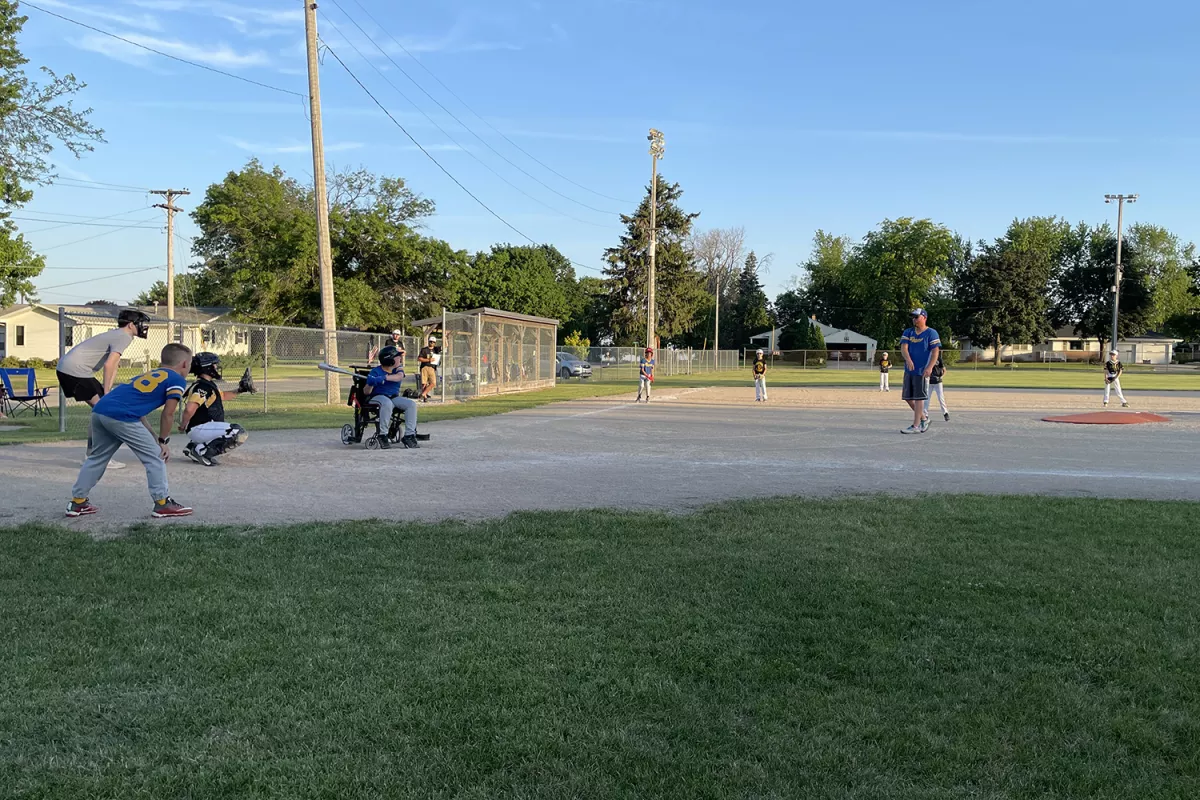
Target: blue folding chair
[{"x": 23, "y": 394}]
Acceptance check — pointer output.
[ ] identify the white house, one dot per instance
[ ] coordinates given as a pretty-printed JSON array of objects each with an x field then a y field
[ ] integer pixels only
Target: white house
[
  {"x": 1066, "y": 345},
  {"x": 30, "y": 330},
  {"x": 842, "y": 343}
]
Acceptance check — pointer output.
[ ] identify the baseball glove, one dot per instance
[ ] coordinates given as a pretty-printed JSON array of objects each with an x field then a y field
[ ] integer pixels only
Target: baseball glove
[
  {"x": 246, "y": 384},
  {"x": 1109, "y": 378},
  {"x": 411, "y": 394}
]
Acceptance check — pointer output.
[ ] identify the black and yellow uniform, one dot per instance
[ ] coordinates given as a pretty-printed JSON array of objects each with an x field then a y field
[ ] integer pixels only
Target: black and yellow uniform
[
  {"x": 206, "y": 395},
  {"x": 760, "y": 380},
  {"x": 760, "y": 367},
  {"x": 885, "y": 365}
]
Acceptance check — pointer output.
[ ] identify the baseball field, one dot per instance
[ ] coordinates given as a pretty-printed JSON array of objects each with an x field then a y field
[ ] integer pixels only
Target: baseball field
[{"x": 698, "y": 597}]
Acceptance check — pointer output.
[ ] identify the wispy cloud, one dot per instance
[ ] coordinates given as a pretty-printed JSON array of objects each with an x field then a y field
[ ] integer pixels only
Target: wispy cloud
[
  {"x": 142, "y": 21},
  {"x": 219, "y": 55},
  {"x": 957, "y": 136},
  {"x": 291, "y": 147}
]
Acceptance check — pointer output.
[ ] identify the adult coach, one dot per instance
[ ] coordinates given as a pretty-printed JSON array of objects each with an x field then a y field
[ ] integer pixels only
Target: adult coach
[
  {"x": 102, "y": 353},
  {"x": 428, "y": 360},
  {"x": 920, "y": 346}
]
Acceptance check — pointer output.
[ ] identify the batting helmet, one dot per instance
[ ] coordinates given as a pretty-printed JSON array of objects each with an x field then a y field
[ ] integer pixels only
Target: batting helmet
[
  {"x": 207, "y": 364},
  {"x": 388, "y": 356}
]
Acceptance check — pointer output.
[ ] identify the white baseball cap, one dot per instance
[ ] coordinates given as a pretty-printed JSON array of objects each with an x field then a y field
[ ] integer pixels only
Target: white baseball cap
[
  {"x": 397, "y": 332},
  {"x": 1113, "y": 353},
  {"x": 432, "y": 338}
]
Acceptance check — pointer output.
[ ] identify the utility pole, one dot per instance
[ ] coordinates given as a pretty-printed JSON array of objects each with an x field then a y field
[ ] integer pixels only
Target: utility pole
[
  {"x": 169, "y": 196},
  {"x": 324, "y": 253},
  {"x": 717, "y": 323},
  {"x": 656, "y": 152},
  {"x": 1121, "y": 200}
]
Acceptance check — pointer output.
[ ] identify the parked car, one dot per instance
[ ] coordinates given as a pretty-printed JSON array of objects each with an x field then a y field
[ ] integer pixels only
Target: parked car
[{"x": 570, "y": 365}]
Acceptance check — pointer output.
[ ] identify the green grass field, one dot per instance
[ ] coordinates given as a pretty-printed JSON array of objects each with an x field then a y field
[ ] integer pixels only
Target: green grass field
[{"x": 1006, "y": 648}]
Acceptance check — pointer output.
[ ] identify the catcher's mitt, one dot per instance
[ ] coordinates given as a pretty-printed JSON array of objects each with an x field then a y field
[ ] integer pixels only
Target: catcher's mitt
[
  {"x": 411, "y": 394},
  {"x": 246, "y": 384}
]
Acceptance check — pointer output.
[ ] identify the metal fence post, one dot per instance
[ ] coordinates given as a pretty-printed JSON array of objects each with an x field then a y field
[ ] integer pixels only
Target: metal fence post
[
  {"x": 445, "y": 354},
  {"x": 266, "y": 350},
  {"x": 62, "y": 351}
]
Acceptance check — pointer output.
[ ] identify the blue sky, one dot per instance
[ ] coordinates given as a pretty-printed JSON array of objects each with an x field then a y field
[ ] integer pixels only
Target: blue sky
[{"x": 781, "y": 117}]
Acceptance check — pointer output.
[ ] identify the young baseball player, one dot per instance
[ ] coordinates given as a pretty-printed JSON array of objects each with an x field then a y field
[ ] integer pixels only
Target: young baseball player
[
  {"x": 1113, "y": 368},
  {"x": 936, "y": 386},
  {"x": 209, "y": 435},
  {"x": 77, "y": 370},
  {"x": 384, "y": 382},
  {"x": 119, "y": 418},
  {"x": 885, "y": 366},
  {"x": 760, "y": 377},
  {"x": 645, "y": 374}
]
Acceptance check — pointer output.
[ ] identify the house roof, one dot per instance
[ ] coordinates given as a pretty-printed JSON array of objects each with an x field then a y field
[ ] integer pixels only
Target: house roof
[
  {"x": 488, "y": 312},
  {"x": 188, "y": 315},
  {"x": 827, "y": 331}
]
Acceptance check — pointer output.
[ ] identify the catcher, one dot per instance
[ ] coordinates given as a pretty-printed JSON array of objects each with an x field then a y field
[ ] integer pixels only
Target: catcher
[{"x": 204, "y": 412}]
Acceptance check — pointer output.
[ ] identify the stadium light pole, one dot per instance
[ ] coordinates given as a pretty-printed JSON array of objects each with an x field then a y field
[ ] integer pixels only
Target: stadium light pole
[
  {"x": 1120, "y": 200},
  {"x": 657, "y": 149}
]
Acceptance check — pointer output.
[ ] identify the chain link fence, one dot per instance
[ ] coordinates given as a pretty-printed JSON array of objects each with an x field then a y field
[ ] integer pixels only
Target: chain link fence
[{"x": 622, "y": 363}]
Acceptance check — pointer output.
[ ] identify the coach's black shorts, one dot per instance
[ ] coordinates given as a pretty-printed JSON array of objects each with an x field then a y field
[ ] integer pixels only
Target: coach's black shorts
[
  {"x": 81, "y": 389},
  {"x": 916, "y": 386}
]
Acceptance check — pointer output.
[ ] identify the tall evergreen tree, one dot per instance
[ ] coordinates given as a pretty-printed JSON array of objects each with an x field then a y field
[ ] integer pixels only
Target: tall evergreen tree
[
  {"x": 752, "y": 313},
  {"x": 679, "y": 286}
]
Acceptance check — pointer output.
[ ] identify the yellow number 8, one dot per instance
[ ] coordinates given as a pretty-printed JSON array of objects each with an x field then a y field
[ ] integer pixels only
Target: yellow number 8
[{"x": 150, "y": 381}]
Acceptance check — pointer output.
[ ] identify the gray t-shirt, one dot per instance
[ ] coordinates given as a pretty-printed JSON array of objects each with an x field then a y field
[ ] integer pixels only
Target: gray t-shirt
[{"x": 87, "y": 358}]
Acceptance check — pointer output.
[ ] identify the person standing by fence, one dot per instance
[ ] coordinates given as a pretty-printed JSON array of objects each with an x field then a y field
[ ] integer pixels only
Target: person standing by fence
[
  {"x": 885, "y": 366},
  {"x": 645, "y": 374},
  {"x": 760, "y": 377}
]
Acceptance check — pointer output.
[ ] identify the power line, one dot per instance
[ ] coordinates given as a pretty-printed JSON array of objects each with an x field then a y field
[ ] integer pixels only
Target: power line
[
  {"x": 445, "y": 133},
  {"x": 161, "y": 53},
  {"x": 453, "y": 116},
  {"x": 108, "y": 185},
  {"x": 135, "y": 226},
  {"x": 428, "y": 155},
  {"x": 66, "y": 184},
  {"x": 66, "y": 224},
  {"x": 101, "y": 278},
  {"x": 528, "y": 155}
]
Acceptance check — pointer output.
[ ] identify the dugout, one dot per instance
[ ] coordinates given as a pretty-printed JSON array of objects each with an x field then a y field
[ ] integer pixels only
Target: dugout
[{"x": 488, "y": 351}]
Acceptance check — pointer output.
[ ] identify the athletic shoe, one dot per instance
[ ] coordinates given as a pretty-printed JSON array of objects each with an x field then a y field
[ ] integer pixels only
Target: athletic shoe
[
  {"x": 924, "y": 425},
  {"x": 80, "y": 508},
  {"x": 169, "y": 508},
  {"x": 911, "y": 429},
  {"x": 422, "y": 437},
  {"x": 194, "y": 455},
  {"x": 1106, "y": 404},
  {"x": 116, "y": 465},
  {"x": 411, "y": 443},
  {"x": 947, "y": 416},
  {"x": 1124, "y": 405},
  {"x": 384, "y": 444}
]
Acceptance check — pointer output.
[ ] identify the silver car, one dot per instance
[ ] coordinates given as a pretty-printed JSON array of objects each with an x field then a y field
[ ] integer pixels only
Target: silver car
[{"x": 570, "y": 366}]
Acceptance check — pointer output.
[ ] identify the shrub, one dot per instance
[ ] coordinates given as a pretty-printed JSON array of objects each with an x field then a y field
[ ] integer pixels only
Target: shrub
[
  {"x": 577, "y": 345},
  {"x": 34, "y": 363},
  {"x": 10, "y": 362},
  {"x": 951, "y": 357}
]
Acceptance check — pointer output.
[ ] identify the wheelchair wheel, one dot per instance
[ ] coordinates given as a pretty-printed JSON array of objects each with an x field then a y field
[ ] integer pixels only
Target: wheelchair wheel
[
  {"x": 347, "y": 434},
  {"x": 373, "y": 443}
]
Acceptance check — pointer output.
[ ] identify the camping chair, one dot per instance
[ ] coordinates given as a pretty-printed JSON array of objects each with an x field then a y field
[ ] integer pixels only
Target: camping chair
[
  {"x": 21, "y": 387},
  {"x": 4, "y": 409}
]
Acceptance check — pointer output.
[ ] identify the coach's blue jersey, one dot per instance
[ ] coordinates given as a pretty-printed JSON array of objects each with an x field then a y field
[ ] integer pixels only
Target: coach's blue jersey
[
  {"x": 131, "y": 401},
  {"x": 920, "y": 345}
]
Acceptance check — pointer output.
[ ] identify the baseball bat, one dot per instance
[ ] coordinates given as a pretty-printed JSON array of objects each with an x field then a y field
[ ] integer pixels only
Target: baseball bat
[{"x": 339, "y": 370}]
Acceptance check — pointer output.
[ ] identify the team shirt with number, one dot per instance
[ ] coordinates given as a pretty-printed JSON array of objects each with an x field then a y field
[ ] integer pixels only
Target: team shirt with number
[
  {"x": 647, "y": 365},
  {"x": 920, "y": 347},
  {"x": 131, "y": 401},
  {"x": 760, "y": 368},
  {"x": 205, "y": 395},
  {"x": 1113, "y": 368}
]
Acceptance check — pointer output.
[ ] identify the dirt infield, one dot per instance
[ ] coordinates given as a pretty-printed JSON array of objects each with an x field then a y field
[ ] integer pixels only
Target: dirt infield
[{"x": 686, "y": 449}]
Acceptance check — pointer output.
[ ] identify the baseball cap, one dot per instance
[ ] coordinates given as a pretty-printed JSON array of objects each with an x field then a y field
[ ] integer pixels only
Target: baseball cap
[
  {"x": 432, "y": 338},
  {"x": 397, "y": 332},
  {"x": 918, "y": 312},
  {"x": 1113, "y": 353}
]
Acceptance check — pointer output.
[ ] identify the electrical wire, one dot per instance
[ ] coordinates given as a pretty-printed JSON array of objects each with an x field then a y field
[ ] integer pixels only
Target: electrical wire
[
  {"x": 437, "y": 163},
  {"x": 135, "y": 226},
  {"x": 66, "y": 184},
  {"x": 528, "y": 155},
  {"x": 446, "y": 133},
  {"x": 101, "y": 278},
  {"x": 453, "y": 116},
  {"x": 66, "y": 224},
  {"x": 108, "y": 185},
  {"x": 26, "y": 4}
]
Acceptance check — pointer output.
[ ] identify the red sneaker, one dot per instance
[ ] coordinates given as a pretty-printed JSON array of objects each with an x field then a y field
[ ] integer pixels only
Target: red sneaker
[
  {"x": 169, "y": 508},
  {"x": 80, "y": 508}
]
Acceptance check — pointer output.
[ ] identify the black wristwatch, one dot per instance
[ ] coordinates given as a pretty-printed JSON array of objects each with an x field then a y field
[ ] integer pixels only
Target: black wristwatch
[{"x": 164, "y": 441}]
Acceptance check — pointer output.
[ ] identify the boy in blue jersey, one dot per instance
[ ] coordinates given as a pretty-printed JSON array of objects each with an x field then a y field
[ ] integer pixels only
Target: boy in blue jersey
[
  {"x": 384, "y": 382},
  {"x": 645, "y": 374},
  {"x": 119, "y": 418},
  {"x": 921, "y": 347}
]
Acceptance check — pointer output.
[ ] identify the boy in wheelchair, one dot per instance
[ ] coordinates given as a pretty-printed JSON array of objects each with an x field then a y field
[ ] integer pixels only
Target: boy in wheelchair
[{"x": 377, "y": 397}]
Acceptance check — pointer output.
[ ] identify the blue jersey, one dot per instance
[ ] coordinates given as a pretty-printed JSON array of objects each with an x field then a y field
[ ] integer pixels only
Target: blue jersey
[
  {"x": 380, "y": 385},
  {"x": 920, "y": 345},
  {"x": 131, "y": 401},
  {"x": 647, "y": 365}
]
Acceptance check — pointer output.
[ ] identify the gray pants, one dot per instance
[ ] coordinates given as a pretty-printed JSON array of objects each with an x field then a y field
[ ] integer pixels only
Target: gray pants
[
  {"x": 389, "y": 404},
  {"x": 105, "y": 436},
  {"x": 643, "y": 386}
]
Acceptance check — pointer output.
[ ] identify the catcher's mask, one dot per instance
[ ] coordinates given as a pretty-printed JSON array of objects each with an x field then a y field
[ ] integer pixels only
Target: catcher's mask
[
  {"x": 139, "y": 318},
  {"x": 207, "y": 364},
  {"x": 388, "y": 356}
]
